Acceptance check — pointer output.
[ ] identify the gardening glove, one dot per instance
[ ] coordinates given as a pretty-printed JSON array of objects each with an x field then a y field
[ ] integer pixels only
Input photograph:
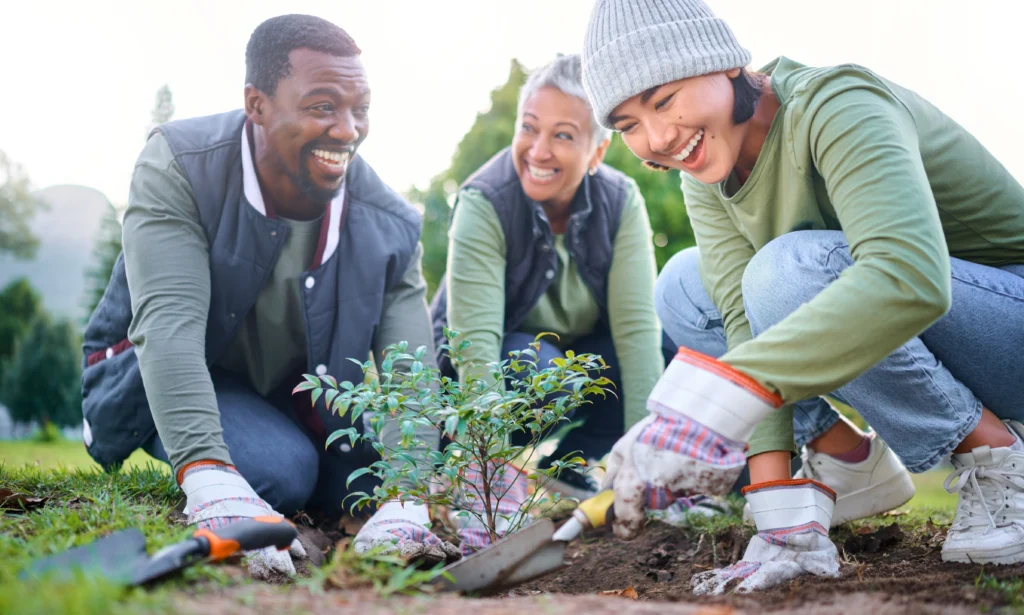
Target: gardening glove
[
  {"x": 693, "y": 442},
  {"x": 404, "y": 529},
  {"x": 508, "y": 486},
  {"x": 793, "y": 519},
  {"x": 217, "y": 496}
]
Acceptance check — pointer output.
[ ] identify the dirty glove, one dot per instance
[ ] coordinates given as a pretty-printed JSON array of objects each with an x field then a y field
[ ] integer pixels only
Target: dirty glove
[
  {"x": 792, "y": 518},
  {"x": 508, "y": 494},
  {"x": 693, "y": 442},
  {"x": 217, "y": 496},
  {"x": 404, "y": 529}
]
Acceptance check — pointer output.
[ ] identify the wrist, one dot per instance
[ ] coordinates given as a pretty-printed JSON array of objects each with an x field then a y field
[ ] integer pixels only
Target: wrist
[
  {"x": 719, "y": 397},
  {"x": 406, "y": 511},
  {"x": 790, "y": 503}
]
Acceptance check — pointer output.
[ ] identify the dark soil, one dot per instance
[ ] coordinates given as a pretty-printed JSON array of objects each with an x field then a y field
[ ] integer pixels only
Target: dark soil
[{"x": 901, "y": 567}]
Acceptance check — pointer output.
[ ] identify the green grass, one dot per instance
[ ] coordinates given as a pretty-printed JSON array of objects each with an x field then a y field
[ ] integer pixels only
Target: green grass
[
  {"x": 83, "y": 505},
  {"x": 62, "y": 453}
]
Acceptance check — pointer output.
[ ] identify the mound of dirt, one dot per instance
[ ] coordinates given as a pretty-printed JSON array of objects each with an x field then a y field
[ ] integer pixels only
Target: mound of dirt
[{"x": 893, "y": 566}]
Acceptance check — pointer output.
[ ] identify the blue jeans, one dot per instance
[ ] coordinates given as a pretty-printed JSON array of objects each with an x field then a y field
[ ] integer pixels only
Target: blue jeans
[
  {"x": 603, "y": 419},
  {"x": 925, "y": 397},
  {"x": 275, "y": 454}
]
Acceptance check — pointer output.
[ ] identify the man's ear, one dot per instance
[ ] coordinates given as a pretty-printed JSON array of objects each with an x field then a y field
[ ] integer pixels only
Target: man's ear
[
  {"x": 732, "y": 73},
  {"x": 255, "y": 103}
]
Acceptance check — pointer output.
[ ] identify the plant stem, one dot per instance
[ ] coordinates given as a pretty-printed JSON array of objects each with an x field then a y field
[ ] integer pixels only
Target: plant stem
[{"x": 488, "y": 509}]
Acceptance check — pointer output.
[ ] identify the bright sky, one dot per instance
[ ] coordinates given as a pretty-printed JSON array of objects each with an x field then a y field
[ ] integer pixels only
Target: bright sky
[{"x": 80, "y": 76}]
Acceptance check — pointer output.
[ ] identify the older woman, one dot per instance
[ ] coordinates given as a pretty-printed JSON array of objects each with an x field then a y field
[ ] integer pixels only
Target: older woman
[
  {"x": 855, "y": 242},
  {"x": 546, "y": 238}
]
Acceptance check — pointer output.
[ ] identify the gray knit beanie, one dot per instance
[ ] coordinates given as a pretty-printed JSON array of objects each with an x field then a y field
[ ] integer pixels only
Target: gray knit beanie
[{"x": 634, "y": 45}]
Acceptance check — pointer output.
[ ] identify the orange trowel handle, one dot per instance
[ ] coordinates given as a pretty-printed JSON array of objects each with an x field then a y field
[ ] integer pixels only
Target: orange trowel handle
[{"x": 248, "y": 535}]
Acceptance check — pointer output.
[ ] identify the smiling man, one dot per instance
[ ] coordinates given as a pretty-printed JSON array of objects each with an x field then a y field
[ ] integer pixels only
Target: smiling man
[{"x": 257, "y": 247}]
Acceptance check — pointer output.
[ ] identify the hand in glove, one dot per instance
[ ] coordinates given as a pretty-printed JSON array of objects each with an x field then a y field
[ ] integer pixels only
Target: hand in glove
[
  {"x": 694, "y": 442},
  {"x": 508, "y": 493},
  {"x": 403, "y": 529},
  {"x": 217, "y": 496},
  {"x": 793, "y": 519}
]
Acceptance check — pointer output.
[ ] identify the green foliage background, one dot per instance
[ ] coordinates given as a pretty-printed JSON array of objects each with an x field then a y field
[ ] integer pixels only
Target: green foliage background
[{"x": 493, "y": 131}]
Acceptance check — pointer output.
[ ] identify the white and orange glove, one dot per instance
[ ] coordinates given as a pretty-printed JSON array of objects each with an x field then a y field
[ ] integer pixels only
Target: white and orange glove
[
  {"x": 403, "y": 528},
  {"x": 793, "y": 518},
  {"x": 703, "y": 412},
  {"x": 217, "y": 495}
]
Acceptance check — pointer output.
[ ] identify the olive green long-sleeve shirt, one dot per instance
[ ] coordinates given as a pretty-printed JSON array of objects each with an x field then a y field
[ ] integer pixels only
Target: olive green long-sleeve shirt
[
  {"x": 909, "y": 187},
  {"x": 167, "y": 261},
  {"x": 476, "y": 295}
]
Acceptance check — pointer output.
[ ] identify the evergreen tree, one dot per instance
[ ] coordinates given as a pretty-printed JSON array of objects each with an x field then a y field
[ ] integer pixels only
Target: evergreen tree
[{"x": 43, "y": 381}]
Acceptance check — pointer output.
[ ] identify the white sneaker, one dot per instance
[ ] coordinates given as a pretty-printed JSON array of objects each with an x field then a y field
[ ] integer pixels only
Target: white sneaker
[
  {"x": 989, "y": 523},
  {"x": 876, "y": 485}
]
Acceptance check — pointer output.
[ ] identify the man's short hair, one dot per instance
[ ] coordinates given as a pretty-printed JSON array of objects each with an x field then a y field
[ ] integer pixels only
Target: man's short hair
[{"x": 266, "y": 54}]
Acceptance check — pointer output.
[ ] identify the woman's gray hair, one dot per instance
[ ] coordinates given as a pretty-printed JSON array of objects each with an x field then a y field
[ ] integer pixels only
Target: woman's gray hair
[{"x": 565, "y": 74}]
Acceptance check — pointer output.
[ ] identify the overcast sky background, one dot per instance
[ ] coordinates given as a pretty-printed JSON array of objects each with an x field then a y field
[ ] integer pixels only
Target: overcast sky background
[{"x": 80, "y": 77}]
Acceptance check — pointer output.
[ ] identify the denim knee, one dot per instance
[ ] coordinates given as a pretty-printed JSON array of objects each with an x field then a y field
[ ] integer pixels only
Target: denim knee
[
  {"x": 288, "y": 483},
  {"x": 687, "y": 314},
  {"x": 790, "y": 271}
]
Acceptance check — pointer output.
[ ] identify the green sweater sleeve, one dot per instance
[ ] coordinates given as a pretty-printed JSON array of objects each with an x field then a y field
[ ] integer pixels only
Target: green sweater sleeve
[
  {"x": 167, "y": 262},
  {"x": 476, "y": 279},
  {"x": 724, "y": 256},
  {"x": 635, "y": 330},
  {"x": 864, "y": 144}
]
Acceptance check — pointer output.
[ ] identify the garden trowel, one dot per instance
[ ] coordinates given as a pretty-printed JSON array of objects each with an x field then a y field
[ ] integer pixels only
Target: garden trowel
[
  {"x": 121, "y": 557},
  {"x": 528, "y": 554}
]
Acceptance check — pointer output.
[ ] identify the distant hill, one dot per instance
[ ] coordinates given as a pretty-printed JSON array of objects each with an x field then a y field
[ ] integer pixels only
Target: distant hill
[{"x": 66, "y": 231}]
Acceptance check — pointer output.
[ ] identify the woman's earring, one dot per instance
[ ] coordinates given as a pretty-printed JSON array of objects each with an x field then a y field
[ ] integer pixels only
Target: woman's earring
[
  {"x": 593, "y": 171},
  {"x": 654, "y": 166}
]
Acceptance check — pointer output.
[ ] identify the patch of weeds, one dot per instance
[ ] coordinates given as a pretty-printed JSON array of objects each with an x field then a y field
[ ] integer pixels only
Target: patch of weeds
[
  {"x": 1010, "y": 591},
  {"x": 387, "y": 575}
]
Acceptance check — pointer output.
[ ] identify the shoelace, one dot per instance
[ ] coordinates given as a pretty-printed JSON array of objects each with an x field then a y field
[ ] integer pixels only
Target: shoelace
[{"x": 975, "y": 494}]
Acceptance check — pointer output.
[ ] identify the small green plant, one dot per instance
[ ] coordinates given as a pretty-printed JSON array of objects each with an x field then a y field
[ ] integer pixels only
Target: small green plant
[
  {"x": 479, "y": 416},
  {"x": 387, "y": 574}
]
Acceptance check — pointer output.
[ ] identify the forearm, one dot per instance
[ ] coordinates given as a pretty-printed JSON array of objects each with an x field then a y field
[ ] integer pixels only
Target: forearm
[{"x": 185, "y": 412}]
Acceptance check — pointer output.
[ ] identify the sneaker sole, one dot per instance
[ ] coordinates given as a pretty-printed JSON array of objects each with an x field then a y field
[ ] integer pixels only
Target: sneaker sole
[
  {"x": 1011, "y": 554},
  {"x": 874, "y": 500}
]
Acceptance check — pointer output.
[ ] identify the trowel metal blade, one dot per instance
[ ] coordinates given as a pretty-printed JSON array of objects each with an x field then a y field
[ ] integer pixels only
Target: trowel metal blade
[
  {"x": 489, "y": 568},
  {"x": 547, "y": 559}
]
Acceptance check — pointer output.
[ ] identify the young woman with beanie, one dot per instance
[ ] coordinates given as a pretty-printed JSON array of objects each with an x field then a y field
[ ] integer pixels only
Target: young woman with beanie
[{"x": 854, "y": 242}]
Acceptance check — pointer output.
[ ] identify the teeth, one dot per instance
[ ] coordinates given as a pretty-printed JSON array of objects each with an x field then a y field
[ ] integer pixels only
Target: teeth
[
  {"x": 689, "y": 146},
  {"x": 338, "y": 158},
  {"x": 541, "y": 173}
]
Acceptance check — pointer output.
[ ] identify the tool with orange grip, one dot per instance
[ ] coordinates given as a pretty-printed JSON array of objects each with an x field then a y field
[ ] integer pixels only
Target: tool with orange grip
[{"x": 121, "y": 557}]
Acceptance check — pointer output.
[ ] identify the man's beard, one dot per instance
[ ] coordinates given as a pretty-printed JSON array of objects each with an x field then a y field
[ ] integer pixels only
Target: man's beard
[{"x": 304, "y": 181}]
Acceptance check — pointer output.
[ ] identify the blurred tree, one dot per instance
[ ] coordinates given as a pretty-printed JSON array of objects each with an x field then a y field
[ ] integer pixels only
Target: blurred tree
[
  {"x": 163, "y": 109},
  {"x": 108, "y": 244},
  {"x": 492, "y": 131},
  {"x": 17, "y": 207},
  {"x": 42, "y": 382},
  {"x": 19, "y": 306}
]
